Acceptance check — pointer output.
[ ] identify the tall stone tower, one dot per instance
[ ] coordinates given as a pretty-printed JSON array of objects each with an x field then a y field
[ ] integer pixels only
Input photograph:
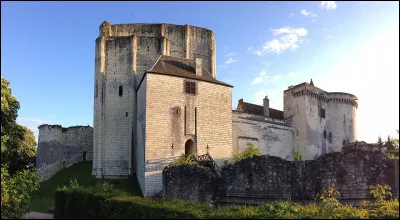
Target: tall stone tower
[
  {"x": 123, "y": 54},
  {"x": 323, "y": 121}
]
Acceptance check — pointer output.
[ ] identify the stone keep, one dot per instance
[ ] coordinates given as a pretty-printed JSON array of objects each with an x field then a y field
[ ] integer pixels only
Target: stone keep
[{"x": 123, "y": 54}]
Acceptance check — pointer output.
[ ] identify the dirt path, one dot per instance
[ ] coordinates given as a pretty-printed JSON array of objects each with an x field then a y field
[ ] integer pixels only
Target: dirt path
[{"x": 38, "y": 215}]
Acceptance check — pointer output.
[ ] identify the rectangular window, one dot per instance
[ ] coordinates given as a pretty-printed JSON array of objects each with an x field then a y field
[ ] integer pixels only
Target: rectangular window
[
  {"x": 126, "y": 114},
  {"x": 324, "y": 134},
  {"x": 322, "y": 113},
  {"x": 330, "y": 137},
  {"x": 120, "y": 90},
  {"x": 190, "y": 88}
]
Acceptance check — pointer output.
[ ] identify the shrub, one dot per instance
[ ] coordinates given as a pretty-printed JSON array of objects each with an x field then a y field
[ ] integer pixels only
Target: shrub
[
  {"x": 380, "y": 192},
  {"x": 297, "y": 155},
  {"x": 16, "y": 192},
  {"x": 225, "y": 164},
  {"x": 182, "y": 160},
  {"x": 249, "y": 152},
  {"x": 315, "y": 156},
  {"x": 328, "y": 197}
]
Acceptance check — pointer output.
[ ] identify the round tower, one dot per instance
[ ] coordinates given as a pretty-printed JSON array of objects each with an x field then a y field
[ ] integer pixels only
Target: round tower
[
  {"x": 342, "y": 123},
  {"x": 123, "y": 53}
]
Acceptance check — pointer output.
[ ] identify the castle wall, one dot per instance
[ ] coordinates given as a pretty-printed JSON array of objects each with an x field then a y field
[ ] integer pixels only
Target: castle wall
[
  {"x": 208, "y": 114},
  {"x": 272, "y": 136},
  {"x": 60, "y": 147},
  {"x": 118, "y": 107},
  {"x": 139, "y": 153},
  {"x": 259, "y": 180}
]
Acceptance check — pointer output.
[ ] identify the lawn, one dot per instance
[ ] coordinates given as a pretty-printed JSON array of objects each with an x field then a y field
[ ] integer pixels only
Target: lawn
[{"x": 43, "y": 200}]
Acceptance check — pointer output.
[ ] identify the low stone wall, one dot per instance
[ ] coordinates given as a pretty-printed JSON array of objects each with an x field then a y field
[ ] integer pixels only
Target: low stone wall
[
  {"x": 190, "y": 183},
  {"x": 267, "y": 177}
]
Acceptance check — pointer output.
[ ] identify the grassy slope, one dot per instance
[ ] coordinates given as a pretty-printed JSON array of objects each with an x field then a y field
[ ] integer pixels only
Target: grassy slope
[{"x": 43, "y": 199}]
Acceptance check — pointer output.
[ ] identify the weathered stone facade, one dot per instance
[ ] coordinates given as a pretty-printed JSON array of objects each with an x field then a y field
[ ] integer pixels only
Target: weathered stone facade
[
  {"x": 60, "y": 147},
  {"x": 260, "y": 179}
]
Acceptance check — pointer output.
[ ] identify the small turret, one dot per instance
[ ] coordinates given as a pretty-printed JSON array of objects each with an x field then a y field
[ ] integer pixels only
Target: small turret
[{"x": 311, "y": 83}]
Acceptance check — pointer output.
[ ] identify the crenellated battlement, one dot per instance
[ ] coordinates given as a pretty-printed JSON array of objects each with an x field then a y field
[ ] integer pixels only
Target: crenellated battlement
[{"x": 327, "y": 97}]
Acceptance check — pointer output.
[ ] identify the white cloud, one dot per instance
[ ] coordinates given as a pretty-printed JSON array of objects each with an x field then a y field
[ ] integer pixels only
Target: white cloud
[
  {"x": 222, "y": 66},
  {"x": 308, "y": 13},
  {"x": 289, "y": 39},
  {"x": 328, "y": 5},
  {"x": 257, "y": 53},
  {"x": 31, "y": 123},
  {"x": 249, "y": 49},
  {"x": 231, "y": 54},
  {"x": 231, "y": 60},
  {"x": 291, "y": 75},
  {"x": 276, "y": 78},
  {"x": 260, "y": 78}
]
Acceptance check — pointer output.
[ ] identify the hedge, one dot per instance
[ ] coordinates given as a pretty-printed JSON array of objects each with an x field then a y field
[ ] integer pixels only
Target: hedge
[{"x": 107, "y": 203}]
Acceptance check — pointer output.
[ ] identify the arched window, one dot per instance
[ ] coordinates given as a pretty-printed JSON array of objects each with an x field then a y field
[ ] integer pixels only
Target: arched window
[{"x": 120, "y": 90}]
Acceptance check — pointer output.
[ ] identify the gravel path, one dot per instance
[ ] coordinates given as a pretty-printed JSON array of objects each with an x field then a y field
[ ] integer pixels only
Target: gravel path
[{"x": 38, "y": 215}]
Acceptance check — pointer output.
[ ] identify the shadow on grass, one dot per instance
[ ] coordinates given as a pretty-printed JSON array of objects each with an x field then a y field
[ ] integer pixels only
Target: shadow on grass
[{"x": 43, "y": 199}]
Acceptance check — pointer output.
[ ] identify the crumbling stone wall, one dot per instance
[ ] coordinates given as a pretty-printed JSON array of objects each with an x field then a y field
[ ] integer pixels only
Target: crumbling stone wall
[
  {"x": 268, "y": 177},
  {"x": 60, "y": 147},
  {"x": 190, "y": 183}
]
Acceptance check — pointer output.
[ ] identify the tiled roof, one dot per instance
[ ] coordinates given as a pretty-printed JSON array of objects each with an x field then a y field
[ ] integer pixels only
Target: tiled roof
[
  {"x": 180, "y": 67},
  {"x": 259, "y": 110}
]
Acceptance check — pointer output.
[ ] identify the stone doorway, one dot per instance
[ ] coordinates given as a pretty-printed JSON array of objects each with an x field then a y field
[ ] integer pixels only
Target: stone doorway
[{"x": 189, "y": 147}]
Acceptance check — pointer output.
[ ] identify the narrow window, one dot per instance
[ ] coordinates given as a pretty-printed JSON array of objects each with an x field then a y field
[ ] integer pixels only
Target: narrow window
[
  {"x": 120, "y": 90},
  {"x": 343, "y": 142},
  {"x": 322, "y": 113},
  {"x": 330, "y": 137},
  {"x": 190, "y": 88},
  {"x": 126, "y": 114},
  {"x": 324, "y": 134},
  {"x": 97, "y": 90}
]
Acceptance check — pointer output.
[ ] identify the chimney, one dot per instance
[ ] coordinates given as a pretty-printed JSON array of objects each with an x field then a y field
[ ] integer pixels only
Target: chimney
[
  {"x": 266, "y": 106},
  {"x": 198, "y": 66}
]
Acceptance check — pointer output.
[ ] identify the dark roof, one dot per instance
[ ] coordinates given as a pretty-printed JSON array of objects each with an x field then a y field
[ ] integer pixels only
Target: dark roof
[
  {"x": 180, "y": 67},
  {"x": 259, "y": 110}
]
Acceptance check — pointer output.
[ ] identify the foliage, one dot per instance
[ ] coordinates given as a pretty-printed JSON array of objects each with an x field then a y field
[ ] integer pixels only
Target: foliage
[
  {"x": 315, "y": 156},
  {"x": 18, "y": 144},
  {"x": 297, "y": 155},
  {"x": 225, "y": 164},
  {"x": 380, "y": 192},
  {"x": 16, "y": 192},
  {"x": 89, "y": 203},
  {"x": 328, "y": 197},
  {"x": 380, "y": 142},
  {"x": 182, "y": 160},
  {"x": 249, "y": 152}
]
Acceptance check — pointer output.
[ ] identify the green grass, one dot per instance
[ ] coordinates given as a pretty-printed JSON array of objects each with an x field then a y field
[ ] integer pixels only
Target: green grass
[{"x": 43, "y": 200}]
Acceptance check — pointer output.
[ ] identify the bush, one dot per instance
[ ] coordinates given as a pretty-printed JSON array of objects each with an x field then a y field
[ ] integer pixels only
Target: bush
[
  {"x": 328, "y": 197},
  {"x": 104, "y": 201},
  {"x": 249, "y": 152},
  {"x": 16, "y": 192},
  {"x": 380, "y": 193},
  {"x": 297, "y": 155},
  {"x": 182, "y": 160}
]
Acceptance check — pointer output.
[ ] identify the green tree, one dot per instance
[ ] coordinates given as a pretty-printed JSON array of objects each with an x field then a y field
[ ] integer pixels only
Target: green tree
[{"x": 18, "y": 144}]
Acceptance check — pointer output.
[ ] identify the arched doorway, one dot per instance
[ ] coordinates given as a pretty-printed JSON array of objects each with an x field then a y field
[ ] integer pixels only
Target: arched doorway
[{"x": 189, "y": 147}]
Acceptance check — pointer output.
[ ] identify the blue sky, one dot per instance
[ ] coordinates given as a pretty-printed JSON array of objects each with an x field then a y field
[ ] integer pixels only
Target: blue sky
[{"x": 47, "y": 52}]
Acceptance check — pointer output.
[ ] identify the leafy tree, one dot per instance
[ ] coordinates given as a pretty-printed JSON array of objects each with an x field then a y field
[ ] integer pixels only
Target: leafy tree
[
  {"x": 18, "y": 144},
  {"x": 16, "y": 192}
]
